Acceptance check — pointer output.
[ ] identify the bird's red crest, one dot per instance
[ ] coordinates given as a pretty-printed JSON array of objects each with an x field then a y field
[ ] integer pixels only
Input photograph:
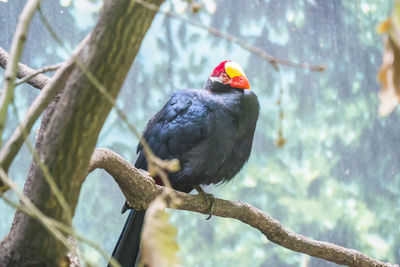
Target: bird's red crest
[{"x": 220, "y": 68}]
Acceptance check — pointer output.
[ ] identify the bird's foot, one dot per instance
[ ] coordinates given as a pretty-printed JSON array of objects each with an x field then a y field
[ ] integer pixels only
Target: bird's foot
[{"x": 209, "y": 198}]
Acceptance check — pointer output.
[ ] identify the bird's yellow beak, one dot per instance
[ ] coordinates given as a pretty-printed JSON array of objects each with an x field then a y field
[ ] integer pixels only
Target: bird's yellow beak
[{"x": 236, "y": 74}]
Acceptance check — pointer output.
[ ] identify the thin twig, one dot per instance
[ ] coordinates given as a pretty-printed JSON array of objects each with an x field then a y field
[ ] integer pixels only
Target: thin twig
[
  {"x": 16, "y": 52},
  {"x": 39, "y": 71},
  {"x": 49, "y": 27},
  {"x": 38, "y": 81},
  {"x": 255, "y": 50}
]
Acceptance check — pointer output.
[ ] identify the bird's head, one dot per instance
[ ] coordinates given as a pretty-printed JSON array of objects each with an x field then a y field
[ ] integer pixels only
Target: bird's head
[{"x": 226, "y": 76}]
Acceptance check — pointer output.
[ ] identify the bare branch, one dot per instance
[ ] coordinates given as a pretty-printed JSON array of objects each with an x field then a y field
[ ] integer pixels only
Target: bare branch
[
  {"x": 16, "y": 52},
  {"x": 39, "y": 71},
  {"x": 140, "y": 189},
  {"x": 255, "y": 50},
  {"x": 38, "y": 81},
  {"x": 14, "y": 143}
]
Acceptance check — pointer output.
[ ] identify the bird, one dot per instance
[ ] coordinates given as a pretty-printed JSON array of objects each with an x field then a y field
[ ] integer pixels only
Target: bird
[{"x": 210, "y": 131}]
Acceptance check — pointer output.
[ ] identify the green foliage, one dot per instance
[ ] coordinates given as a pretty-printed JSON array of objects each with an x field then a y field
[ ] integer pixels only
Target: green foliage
[{"x": 337, "y": 177}]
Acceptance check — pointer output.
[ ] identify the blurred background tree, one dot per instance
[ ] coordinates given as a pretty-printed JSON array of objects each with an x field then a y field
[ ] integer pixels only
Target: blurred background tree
[{"x": 337, "y": 177}]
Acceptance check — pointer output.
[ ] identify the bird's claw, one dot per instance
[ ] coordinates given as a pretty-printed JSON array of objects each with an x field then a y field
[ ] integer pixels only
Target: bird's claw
[
  {"x": 209, "y": 198},
  {"x": 125, "y": 207}
]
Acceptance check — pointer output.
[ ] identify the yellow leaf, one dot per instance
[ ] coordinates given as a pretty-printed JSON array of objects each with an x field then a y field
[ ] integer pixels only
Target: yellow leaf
[
  {"x": 158, "y": 239},
  {"x": 383, "y": 27},
  {"x": 388, "y": 75},
  {"x": 389, "y": 72}
]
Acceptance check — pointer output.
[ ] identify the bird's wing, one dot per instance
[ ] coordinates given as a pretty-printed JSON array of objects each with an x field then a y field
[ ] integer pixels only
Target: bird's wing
[{"x": 180, "y": 125}]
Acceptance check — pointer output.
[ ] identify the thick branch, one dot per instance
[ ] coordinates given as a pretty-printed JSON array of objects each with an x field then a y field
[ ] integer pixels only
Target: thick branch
[
  {"x": 39, "y": 81},
  {"x": 140, "y": 189}
]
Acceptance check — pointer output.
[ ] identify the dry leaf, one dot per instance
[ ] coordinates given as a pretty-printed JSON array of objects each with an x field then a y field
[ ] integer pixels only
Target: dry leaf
[
  {"x": 389, "y": 77},
  {"x": 158, "y": 239},
  {"x": 196, "y": 7},
  {"x": 384, "y": 26},
  {"x": 389, "y": 72},
  {"x": 280, "y": 142}
]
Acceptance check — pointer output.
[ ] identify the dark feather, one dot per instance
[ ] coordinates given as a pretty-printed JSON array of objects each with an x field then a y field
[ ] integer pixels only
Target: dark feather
[{"x": 210, "y": 133}]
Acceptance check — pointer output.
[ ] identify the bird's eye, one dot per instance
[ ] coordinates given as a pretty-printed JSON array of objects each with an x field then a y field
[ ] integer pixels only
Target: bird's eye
[{"x": 224, "y": 77}]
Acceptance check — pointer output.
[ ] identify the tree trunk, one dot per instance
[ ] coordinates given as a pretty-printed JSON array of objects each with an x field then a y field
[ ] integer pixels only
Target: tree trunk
[{"x": 70, "y": 129}]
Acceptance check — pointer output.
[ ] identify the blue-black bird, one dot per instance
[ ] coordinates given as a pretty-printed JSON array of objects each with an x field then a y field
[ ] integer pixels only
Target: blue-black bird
[{"x": 209, "y": 131}]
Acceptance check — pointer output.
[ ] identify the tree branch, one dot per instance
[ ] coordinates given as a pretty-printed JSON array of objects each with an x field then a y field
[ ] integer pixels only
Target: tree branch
[
  {"x": 52, "y": 88},
  {"x": 38, "y": 81},
  {"x": 16, "y": 52},
  {"x": 39, "y": 71},
  {"x": 140, "y": 189},
  {"x": 274, "y": 61}
]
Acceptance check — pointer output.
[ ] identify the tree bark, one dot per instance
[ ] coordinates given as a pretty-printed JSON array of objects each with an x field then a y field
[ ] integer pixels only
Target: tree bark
[{"x": 70, "y": 129}]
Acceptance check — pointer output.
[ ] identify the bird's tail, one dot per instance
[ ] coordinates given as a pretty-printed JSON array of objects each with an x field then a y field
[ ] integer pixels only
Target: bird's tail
[{"x": 127, "y": 248}]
